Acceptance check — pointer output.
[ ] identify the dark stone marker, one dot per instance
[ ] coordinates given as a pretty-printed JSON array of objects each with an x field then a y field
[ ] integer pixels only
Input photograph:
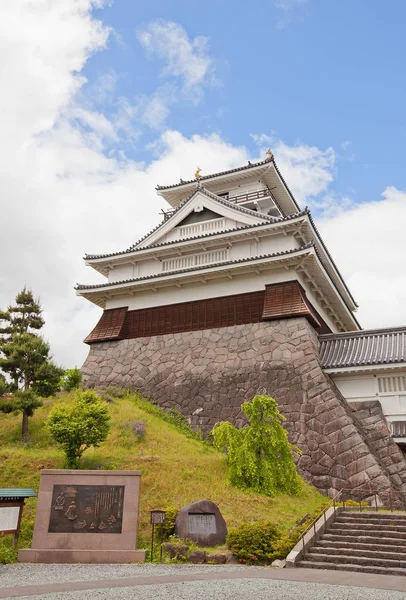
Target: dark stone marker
[{"x": 202, "y": 523}]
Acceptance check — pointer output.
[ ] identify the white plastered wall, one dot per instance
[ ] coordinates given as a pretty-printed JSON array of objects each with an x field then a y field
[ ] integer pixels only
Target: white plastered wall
[{"x": 362, "y": 387}]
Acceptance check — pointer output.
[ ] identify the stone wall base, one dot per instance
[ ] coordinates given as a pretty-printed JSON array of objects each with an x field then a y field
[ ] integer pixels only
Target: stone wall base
[
  {"x": 207, "y": 375},
  {"x": 81, "y": 556}
]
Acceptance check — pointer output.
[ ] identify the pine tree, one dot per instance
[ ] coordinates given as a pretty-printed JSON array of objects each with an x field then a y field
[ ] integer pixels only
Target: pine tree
[
  {"x": 23, "y": 317},
  {"x": 24, "y": 357}
]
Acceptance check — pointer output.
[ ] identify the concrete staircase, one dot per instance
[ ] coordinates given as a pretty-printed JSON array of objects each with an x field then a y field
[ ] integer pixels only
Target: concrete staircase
[{"x": 368, "y": 542}]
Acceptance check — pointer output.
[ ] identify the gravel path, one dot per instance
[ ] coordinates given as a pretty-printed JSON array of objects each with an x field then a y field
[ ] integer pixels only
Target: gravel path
[
  {"x": 39, "y": 574},
  {"x": 251, "y": 582}
]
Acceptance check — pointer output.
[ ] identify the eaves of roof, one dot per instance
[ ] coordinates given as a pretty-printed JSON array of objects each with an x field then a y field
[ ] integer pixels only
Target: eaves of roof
[
  {"x": 283, "y": 253},
  {"x": 212, "y": 175},
  {"x": 363, "y": 348},
  {"x": 201, "y": 237},
  {"x": 250, "y": 165}
]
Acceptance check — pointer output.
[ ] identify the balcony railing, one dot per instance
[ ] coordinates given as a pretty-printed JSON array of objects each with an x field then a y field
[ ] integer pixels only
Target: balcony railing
[
  {"x": 250, "y": 196},
  {"x": 202, "y": 228},
  {"x": 398, "y": 428}
]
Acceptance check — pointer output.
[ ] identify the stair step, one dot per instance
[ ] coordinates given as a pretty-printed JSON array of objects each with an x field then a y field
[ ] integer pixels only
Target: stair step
[
  {"x": 356, "y": 560},
  {"x": 351, "y": 567},
  {"x": 362, "y": 552},
  {"x": 373, "y": 515},
  {"x": 327, "y": 543},
  {"x": 365, "y": 539},
  {"x": 371, "y": 522},
  {"x": 394, "y": 530}
]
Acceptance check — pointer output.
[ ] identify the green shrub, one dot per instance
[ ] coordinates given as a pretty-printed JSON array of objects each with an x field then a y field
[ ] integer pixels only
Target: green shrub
[
  {"x": 259, "y": 455},
  {"x": 71, "y": 380},
  {"x": 170, "y": 519},
  {"x": 254, "y": 543},
  {"x": 78, "y": 425}
]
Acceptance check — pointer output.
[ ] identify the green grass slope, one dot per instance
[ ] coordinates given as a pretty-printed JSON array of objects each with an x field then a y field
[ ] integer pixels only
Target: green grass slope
[{"x": 176, "y": 470}]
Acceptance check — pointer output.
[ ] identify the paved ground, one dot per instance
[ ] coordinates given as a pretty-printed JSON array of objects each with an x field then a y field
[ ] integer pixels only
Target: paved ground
[{"x": 188, "y": 582}]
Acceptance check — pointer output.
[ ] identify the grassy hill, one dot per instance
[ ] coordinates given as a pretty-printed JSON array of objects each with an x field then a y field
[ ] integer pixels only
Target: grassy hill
[{"x": 176, "y": 469}]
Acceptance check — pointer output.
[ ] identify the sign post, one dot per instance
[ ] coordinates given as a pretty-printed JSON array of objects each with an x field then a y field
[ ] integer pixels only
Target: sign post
[
  {"x": 11, "y": 510},
  {"x": 157, "y": 518}
]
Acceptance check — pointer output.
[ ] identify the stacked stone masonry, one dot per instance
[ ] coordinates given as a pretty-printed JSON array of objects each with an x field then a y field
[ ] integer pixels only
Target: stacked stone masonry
[{"x": 207, "y": 375}]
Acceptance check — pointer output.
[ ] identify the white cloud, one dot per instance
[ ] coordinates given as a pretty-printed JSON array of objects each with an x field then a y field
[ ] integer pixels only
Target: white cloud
[
  {"x": 368, "y": 243},
  {"x": 61, "y": 196},
  {"x": 307, "y": 169},
  {"x": 184, "y": 58}
]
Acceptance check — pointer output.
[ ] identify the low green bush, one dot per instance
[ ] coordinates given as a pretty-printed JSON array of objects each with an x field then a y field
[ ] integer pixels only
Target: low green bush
[
  {"x": 254, "y": 543},
  {"x": 170, "y": 519}
]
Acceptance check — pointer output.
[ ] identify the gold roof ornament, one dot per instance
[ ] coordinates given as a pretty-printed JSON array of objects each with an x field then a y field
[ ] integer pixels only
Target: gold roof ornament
[
  {"x": 197, "y": 174},
  {"x": 269, "y": 153}
]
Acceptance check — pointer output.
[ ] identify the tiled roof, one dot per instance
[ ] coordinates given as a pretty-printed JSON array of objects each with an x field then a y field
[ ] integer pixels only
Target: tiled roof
[
  {"x": 200, "y": 268},
  {"x": 250, "y": 165},
  {"x": 361, "y": 348},
  {"x": 189, "y": 239},
  {"x": 17, "y": 493}
]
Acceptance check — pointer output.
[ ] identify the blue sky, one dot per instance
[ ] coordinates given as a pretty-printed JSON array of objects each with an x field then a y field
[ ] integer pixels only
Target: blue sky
[
  {"x": 325, "y": 73},
  {"x": 103, "y": 99}
]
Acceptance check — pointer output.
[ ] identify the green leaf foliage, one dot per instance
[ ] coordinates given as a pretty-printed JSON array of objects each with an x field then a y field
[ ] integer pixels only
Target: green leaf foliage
[
  {"x": 24, "y": 316},
  {"x": 259, "y": 455},
  {"x": 71, "y": 379},
  {"x": 21, "y": 401},
  {"x": 25, "y": 402},
  {"x": 79, "y": 424},
  {"x": 254, "y": 543}
]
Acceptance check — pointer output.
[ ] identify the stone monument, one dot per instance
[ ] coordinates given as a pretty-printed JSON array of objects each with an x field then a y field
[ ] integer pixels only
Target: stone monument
[
  {"x": 86, "y": 517},
  {"x": 202, "y": 523}
]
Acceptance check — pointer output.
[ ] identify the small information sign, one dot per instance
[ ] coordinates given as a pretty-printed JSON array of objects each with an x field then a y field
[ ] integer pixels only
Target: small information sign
[
  {"x": 9, "y": 516},
  {"x": 157, "y": 517}
]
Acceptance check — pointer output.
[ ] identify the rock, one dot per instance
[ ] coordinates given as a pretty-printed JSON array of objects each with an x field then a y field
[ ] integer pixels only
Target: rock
[
  {"x": 202, "y": 523},
  {"x": 176, "y": 550},
  {"x": 217, "y": 559},
  {"x": 279, "y": 564},
  {"x": 197, "y": 557},
  {"x": 231, "y": 559}
]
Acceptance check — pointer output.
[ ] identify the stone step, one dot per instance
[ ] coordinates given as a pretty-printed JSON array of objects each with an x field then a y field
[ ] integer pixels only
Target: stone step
[
  {"x": 365, "y": 539},
  {"x": 355, "y": 560},
  {"x": 322, "y": 543},
  {"x": 372, "y": 515},
  {"x": 350, "y": 567},
  {"x": 370, "y": 520},
  {"x": 367, "y": 527},
  {"x": 374, "y": 554}
]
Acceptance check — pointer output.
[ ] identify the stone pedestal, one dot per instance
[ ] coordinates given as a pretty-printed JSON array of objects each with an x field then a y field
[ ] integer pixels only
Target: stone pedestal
[{"x": 86, "y": 517}]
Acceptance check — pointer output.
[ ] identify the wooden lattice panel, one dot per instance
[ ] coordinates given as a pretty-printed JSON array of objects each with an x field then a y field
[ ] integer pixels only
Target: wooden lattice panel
[
  {"x": 196, "y": 315},
  {"x": 109, "y": 327},
  {"x": 288, "y": 299}
]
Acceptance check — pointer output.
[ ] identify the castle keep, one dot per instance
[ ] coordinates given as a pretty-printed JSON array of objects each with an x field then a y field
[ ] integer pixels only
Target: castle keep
[{"x": 234, "y": 294}]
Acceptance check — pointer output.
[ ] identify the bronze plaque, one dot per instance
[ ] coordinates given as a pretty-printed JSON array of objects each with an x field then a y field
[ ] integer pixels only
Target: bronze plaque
[{"x": 86, "y": 509}]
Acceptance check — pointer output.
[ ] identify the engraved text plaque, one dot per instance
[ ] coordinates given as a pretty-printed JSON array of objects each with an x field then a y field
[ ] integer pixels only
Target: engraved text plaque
[
  {"x": 202, "y": 523},
  {"x": 86, "y": 509}
]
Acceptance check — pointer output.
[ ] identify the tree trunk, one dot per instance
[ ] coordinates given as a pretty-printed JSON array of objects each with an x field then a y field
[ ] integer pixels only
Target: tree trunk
[{"x": 24, "y": 431}]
